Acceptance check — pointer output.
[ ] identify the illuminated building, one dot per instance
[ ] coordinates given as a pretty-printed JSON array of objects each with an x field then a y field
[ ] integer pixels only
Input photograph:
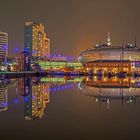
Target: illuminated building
[
  {"x": 36, "y": 40},
  {"x": 24, "y": 61},
  {"x": 108, "y": 58},
  {"x": 58, "y": 65},
  {"x": 36, "y": 97},
  {"x": 3, "y": 97},
  {"x": 3, "y": 45}
]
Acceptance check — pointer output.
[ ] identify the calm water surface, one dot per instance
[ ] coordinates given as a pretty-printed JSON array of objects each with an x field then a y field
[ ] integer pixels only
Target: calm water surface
[{"x": 70, "y": 108}]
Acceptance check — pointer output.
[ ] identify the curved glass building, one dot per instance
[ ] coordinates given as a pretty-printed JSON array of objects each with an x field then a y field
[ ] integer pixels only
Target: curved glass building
[
  {"x": 104, "y": 52},
  {"x": 111, "y": 58}
]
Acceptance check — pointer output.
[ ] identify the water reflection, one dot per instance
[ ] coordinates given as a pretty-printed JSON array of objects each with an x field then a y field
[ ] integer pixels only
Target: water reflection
[
  {"x": 36, "y": 97},
  {"x": 36, "y": 92},
  {"x": 108, "y": 89},
  {"x": 3, "y": 96}
]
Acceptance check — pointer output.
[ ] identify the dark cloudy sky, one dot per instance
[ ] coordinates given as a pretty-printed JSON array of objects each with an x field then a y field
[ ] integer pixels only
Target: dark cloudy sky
[{"x": 72, "y": 25}]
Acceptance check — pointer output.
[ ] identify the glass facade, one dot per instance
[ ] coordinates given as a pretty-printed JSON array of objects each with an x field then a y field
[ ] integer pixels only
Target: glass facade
[
  {"x": 3, "y": 45},
  {"x": 36, "y": 40}
]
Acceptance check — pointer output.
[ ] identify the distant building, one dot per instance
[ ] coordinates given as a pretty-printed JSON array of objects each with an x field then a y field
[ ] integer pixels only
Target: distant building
[
  {"x": 36, "y": 40},
  {"x": 3, "y": 45}
]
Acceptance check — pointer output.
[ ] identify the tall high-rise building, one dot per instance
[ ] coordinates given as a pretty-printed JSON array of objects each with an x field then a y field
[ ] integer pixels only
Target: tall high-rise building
[
  {"x": 3, "y": 45},
  {"x": 36, "y": 41}
]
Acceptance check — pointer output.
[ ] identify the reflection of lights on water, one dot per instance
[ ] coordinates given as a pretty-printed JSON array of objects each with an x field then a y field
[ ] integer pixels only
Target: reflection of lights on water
[
  {"x": 4, "y": 104},
  {"x": 58, "y": 88},
  {"x": 51, "y": 89},
  {"x": 54, "y": 90},
  {"x": 16, "y": 101},
  {"x": 63, "y": 87},
  {"x": 33, "y": 97},
  {"x": 96, "y": 100},
  {"x": 26, "y": 99}
]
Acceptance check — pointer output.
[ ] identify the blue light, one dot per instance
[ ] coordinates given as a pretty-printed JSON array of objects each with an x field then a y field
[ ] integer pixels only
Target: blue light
[
  {"x": 54, "y": 56},
  {"x": 5, "y": 47},
  {"x": 34, "y": 51},
  {"x": 16, "y": 49},
  {"x": 49, "y": 89},
  {"x": 26, "y": 49},
  {"x": 26, "y": 99},
  {"x": 4, "y": 104},
  {"x": 54, "y": 89},
  {"x": 33, "y": 97},
  {"x": 58, "y": 88},
  {"x": 16, "y": 101}
]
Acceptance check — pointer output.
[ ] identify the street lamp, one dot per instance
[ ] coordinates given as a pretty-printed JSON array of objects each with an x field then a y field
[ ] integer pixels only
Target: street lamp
[{"x": 16, "y": 50}]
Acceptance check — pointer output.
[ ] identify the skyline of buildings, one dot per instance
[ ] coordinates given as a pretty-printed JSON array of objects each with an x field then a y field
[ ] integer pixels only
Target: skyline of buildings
[
  {"x": 104, "y": 57},
  {"x": 36, "y": 42}
]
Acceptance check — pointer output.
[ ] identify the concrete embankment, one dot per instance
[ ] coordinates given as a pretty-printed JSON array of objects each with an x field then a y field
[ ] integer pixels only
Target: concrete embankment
[
  {"x": 16, "y": 74},
  {"x": 44, "y": 73}
]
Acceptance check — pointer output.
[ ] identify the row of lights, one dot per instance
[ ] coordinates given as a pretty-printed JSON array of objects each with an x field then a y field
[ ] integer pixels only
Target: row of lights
[{"x": 52, "y": 89}]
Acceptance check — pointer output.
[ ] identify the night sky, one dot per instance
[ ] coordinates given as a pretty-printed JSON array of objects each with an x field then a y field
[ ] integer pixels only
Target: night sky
[{"x": 72, "y": 25}]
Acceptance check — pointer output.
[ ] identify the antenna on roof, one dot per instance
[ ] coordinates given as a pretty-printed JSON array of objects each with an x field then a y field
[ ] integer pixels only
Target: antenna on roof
[
  {"x": 109, "y": 39},
  {"x": 135, "y": 41}
]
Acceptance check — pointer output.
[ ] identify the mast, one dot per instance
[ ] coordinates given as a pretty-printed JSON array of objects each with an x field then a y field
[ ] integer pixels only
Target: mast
[
  {"x": 122, "y": 57},
  {"x": 135, "y": 41},
  {"x": 109, "y": 39}
]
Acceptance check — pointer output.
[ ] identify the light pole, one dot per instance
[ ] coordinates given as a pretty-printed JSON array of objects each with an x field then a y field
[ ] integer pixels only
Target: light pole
[{"x": 16, "y": 52}]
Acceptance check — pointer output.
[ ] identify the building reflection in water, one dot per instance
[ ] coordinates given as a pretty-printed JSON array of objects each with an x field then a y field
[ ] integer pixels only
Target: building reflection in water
[
  {"x": 36, "y": 93},
  {"x": 3, "y": 96},
  {"x": 36, "y": 96},
  {"x": 105, "y": 89}
]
